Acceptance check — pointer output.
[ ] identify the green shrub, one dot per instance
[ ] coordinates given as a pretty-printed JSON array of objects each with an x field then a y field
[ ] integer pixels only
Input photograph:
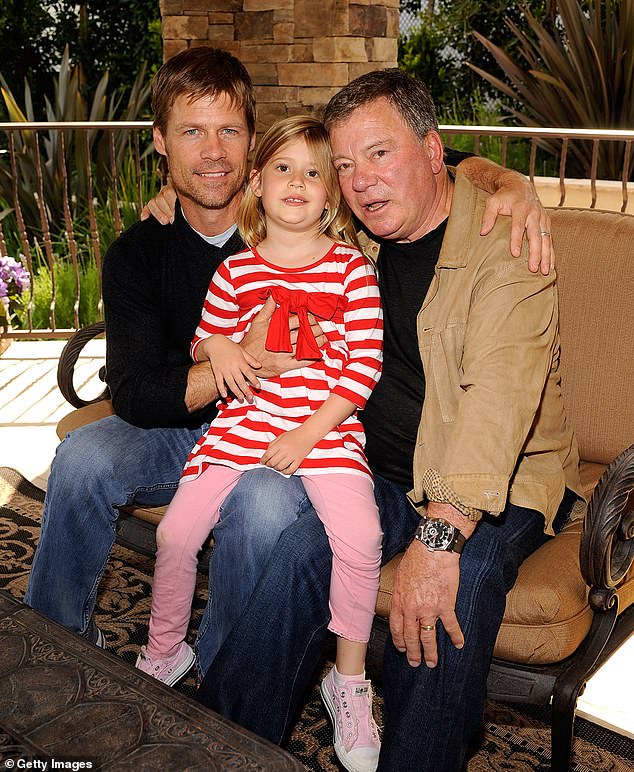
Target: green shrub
[
  {"x": 573, "y": 73},
  {"x": 485, "y": 112},
  {"x": 65, "y": 293}
]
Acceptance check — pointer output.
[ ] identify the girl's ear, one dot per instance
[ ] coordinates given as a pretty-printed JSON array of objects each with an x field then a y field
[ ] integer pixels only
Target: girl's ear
[{"x": 255, "y": 182}]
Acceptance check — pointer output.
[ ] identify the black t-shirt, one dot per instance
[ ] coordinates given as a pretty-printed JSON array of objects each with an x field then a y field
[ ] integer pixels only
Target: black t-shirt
[{"x": 392, "y": 414}]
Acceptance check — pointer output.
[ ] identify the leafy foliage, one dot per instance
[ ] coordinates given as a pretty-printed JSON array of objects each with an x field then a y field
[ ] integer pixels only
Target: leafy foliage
[
  {"x": 437, "y": 52},
  {"x": 575, "y": 73},
  {"x": 58, "y": 273},
  {"x": 517, "y": 153},
  {"x": 63, "y": 279},
  {"x": 118, "y": 36},
  {"x": 63, "y": 158},
  {"x": 59, "y": 152}
]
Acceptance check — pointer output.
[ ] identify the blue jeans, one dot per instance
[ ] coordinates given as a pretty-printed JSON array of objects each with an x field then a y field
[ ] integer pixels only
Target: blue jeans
[
  {"x": 110, "y": 463},
  {"x": 252, "y": 518},
  {"x": 261, "y": 671}
]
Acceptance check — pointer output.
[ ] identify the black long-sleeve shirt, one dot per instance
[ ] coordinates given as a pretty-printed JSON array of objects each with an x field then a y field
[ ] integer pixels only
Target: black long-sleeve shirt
[{"x": 154, "y": 282}]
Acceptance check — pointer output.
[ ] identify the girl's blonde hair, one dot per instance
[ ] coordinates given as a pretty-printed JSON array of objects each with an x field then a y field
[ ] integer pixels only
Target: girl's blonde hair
[{"x": 336, "y": 219}]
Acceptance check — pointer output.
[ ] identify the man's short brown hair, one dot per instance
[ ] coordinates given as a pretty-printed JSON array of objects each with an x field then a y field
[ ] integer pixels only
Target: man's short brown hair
[{"x": 202, "y": 72}]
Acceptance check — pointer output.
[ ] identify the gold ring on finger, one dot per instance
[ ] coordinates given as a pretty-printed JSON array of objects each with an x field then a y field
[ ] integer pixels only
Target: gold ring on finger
[{"x": 428, "y": 628}]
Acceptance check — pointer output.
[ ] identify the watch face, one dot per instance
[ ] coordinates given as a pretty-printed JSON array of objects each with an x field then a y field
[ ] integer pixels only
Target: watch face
[{"x": 437, "y": 534}]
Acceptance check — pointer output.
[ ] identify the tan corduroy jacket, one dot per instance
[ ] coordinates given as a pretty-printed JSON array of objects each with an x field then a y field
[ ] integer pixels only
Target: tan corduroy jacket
[{"x": 493, "y": 423}]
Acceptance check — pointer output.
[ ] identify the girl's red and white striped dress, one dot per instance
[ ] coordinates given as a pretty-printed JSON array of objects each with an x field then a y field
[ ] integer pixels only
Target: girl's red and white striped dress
[{"x": 350, "y": 361}]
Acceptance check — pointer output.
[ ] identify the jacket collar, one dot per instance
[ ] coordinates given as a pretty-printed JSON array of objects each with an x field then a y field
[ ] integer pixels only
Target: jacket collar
[{"x": 456, "y": 246}]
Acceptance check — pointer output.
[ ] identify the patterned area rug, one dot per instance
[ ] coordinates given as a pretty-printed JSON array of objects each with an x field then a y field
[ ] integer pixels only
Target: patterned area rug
[{"x": 511, "y": 740}]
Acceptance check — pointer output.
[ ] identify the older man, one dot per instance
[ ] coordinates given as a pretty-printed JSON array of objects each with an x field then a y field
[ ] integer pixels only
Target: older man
[{"x": 466, "y": 435}]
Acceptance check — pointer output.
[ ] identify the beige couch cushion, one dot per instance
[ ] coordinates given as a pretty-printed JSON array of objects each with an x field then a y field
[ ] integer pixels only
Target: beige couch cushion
[
  {"x": 596, "y": 285},
  {"x": 546, "y": 619}
]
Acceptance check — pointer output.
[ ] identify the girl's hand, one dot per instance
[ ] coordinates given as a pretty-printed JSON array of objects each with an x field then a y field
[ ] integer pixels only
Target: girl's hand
[
  {"x": 231, "y": 367},
  {"x": 287, "y": 451}
]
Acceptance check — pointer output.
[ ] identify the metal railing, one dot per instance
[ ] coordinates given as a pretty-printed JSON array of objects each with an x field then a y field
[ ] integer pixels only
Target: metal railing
[
  {"x": 69, "y": 189},
  {"x": 538, "y": 136},
  {"x": 58, "y": 179}
]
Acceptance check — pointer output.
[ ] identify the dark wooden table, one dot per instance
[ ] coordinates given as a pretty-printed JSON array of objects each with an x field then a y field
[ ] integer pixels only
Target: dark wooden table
[{"x": 62, "y": 698}]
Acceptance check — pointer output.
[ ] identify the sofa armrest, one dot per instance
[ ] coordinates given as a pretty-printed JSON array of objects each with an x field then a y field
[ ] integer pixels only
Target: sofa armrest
[{"x": 606, "y": 553}]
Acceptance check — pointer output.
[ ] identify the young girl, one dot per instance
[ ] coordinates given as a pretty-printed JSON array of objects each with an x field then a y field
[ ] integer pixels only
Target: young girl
[{"x": 301, "y": 422}]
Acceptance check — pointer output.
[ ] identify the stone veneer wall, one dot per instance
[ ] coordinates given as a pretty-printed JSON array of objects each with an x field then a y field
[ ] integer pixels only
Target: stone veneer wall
[{"x": 298, "y": 52}]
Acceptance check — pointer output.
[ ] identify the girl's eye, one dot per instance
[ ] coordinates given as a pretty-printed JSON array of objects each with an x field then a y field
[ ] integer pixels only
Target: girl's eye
[
  {"x": 282, "y": 168},
  {"x": 313, "y": 174}
]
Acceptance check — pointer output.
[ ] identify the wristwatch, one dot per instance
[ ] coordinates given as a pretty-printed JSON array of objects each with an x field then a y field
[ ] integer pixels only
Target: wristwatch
[{"x": 440, "y": 536}]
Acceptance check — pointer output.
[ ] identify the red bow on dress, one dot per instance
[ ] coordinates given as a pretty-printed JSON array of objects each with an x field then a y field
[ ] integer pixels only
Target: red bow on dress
[{"x": 322, "y": 304}]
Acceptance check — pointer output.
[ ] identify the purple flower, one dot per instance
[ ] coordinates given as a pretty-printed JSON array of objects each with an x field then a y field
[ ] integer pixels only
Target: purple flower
[{"x": 14, "y": 280}]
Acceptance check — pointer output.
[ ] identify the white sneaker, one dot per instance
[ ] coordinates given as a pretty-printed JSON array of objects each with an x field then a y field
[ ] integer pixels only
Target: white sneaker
[
  {"x": 168, "y": 670},
  {"x": 355, "y": 733}
]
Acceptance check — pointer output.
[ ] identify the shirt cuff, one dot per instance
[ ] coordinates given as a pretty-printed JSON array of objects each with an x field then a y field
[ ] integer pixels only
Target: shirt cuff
[{"x": 438, "y": 490}]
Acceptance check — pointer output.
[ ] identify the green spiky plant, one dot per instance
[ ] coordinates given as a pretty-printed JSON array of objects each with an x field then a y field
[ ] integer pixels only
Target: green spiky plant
[
  {"x": 54, "y": 268},
  {"x": 576, "y": 72},
  {"x": 69, "y": 150}
]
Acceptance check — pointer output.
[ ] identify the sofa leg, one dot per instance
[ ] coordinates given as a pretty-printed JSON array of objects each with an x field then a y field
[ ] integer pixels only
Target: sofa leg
[
  {"x": 570, "y": 684},
  {"x": 562, "y": 725}
]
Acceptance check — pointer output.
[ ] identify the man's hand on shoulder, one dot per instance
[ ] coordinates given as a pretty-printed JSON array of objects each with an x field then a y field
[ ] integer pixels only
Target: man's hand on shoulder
[
  {"x": 516, "y": 197},
  {"x": 425, "y": 591},
  {"x": 512, "y": 194}
]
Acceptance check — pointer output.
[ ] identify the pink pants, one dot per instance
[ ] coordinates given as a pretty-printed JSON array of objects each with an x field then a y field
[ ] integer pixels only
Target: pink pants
[{"x": 346, "y": 506}]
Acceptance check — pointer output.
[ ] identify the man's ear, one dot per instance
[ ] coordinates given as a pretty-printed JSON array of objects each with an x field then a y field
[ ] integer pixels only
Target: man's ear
[
  {"x": 159, "y": 142},
  {"x": 255, "y": 181},
  {"x": 435, "y": 150},
  {"x": 252, "y": 143}
]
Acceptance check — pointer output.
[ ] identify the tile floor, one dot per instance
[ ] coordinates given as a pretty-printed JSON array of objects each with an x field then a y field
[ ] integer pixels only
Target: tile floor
[{"x": 31, "y": 405}]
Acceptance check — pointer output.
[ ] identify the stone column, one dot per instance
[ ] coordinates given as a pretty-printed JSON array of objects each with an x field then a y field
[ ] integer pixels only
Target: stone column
[{"x": 298, "y": 52}]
